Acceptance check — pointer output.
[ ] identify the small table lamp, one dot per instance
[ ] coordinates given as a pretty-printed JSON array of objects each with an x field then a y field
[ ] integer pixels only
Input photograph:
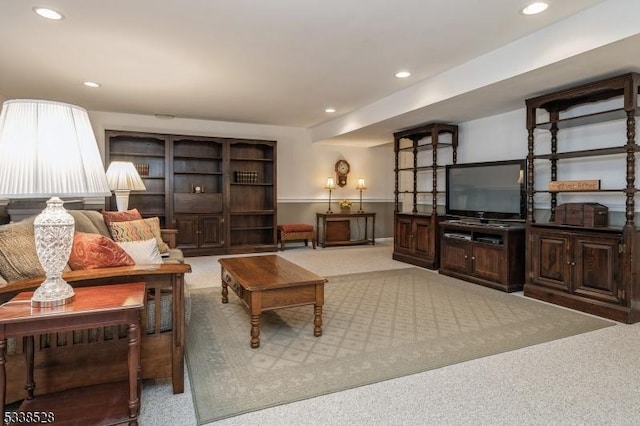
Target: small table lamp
[
  {"x": 331, "y": 184},
  {"x": 48, "y": 149},
  {"x": 123, "y": 178},
  {"x": 361, "y": 186}
]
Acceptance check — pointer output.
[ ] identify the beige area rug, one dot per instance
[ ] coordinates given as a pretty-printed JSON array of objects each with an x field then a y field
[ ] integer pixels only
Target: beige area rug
[{"x": 377, "y": 326}]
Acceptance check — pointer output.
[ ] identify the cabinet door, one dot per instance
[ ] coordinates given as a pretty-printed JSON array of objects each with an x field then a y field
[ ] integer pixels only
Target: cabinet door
[
  {"x": 423, "y": 238},
  {"x": 550, "y": 259},
  {"x": 489, "y": 263},
  {"x": 187, "y": 226},
  {"x": 211, "y": 231},
  {"x": 598, "y": 268},
  {"x": 455, "y": 256},
  {"x": 403, "y": 235}
]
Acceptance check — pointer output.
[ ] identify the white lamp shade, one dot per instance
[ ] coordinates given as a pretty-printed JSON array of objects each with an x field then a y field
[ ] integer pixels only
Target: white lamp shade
[
  {"x": 123, "y": 175},
  {"x": 330, "y": 183},
  {"x": 48, "y": 148}
]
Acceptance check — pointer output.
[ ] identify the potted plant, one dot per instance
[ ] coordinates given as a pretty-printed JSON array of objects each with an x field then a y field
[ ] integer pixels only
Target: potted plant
[{"x": 345, "y": 206}]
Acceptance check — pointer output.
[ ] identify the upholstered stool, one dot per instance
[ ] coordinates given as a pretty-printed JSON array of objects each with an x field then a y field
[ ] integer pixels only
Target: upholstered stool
[{"x": 296, "y": 232}]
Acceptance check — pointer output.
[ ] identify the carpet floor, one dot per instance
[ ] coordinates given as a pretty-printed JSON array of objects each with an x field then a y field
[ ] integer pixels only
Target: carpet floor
[{"x": 377, "y": 326}]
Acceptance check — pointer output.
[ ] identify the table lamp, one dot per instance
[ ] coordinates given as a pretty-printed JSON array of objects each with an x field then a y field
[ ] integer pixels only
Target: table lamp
[
  {"x": 331, "y": 184},
  {"x": 123, "y": 178},
  {"x": 361, "y": 186},
  {"x": 48, "y": 149}
]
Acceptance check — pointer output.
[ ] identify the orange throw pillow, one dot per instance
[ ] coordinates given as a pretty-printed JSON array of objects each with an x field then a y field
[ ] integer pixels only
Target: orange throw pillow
[
  {"x": 91, "y": 251},
  {"x": 124, "y": 216}
]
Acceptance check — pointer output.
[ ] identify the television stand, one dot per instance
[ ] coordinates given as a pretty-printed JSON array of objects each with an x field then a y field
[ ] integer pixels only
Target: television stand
[{"x": 492, "y": 255}]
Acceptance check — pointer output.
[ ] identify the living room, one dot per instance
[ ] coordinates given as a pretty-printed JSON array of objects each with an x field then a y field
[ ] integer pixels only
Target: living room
[{"x": 482, "y": 91}]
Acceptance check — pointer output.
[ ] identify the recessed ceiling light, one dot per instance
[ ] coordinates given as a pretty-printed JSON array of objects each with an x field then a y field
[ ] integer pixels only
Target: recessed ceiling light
[
  {"x": 48, "y": 13},
  {"x": 330, "y": 110},
  {"x": 535, "y": 8},
  {"x": 403, "y": 74},
  {"x": 91, "y": 84}
]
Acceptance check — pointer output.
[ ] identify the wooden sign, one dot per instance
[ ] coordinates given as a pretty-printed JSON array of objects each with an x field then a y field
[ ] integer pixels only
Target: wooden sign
[{"x": 574, "y": 185}]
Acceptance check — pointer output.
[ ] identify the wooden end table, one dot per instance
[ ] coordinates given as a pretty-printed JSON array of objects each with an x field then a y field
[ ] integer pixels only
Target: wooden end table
[
  {"x": 270, "y": 282},
  {"x": 101, "y": 306}
]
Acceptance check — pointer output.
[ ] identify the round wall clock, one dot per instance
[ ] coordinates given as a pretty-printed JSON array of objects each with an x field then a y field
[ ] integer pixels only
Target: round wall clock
[{"x": 342, "y": 170}]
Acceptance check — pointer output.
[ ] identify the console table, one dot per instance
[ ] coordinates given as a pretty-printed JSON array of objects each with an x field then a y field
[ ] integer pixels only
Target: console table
[
  {"x": 101, "y": 306},
  {"x": 334, "y": 224}
]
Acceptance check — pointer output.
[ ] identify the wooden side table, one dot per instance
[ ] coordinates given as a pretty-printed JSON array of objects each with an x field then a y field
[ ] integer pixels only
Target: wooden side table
[
  {"x": 101, "y": 306},
  {"x": 336, "y": 225}
]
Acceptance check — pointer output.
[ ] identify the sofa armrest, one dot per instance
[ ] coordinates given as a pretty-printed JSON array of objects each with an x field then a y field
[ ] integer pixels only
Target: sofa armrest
[
  {"x": 97, "y": 275},
  {"x": 169, "y": 236}
]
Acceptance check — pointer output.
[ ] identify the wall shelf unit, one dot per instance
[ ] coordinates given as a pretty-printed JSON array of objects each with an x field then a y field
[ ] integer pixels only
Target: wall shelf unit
[
  {"x": 595, "y": 269},
  {"x": 219, "y": 193},
  {"x": 417, "y": 191}
]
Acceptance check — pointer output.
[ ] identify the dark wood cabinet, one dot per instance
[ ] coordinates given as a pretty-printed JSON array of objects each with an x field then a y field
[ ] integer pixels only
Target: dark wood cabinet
[
  {"x": 583, "y": 264},
  {"x": 220, "y": 193},
  {"x": 415, "y": 240},
  {"x": 589, "y": 268},
  {"x": 486, "y": 254},
  {"x": 419, "y": 186},
  {"x": 199, "y": 233}
]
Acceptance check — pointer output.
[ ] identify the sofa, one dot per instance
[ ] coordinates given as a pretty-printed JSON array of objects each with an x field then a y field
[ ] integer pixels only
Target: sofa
[{"x": 85, "y": 357}]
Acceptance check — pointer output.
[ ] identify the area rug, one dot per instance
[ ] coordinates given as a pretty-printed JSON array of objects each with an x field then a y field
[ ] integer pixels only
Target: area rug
[{"x": 377, "y": 326}]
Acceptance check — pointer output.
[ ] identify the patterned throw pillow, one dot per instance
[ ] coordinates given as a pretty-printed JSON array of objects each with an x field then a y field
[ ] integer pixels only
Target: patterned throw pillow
[
  {"x": 143, "y": 252},
  {"x": 124, "y": 216},
  {"x": 138, "y": 230},
  {"x": 91, "y": 251},
  {"x": 18, "y": 257}
]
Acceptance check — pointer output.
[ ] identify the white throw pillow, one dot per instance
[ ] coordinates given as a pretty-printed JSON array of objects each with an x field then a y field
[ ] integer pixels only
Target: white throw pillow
[{"x": 143, "y": 252}]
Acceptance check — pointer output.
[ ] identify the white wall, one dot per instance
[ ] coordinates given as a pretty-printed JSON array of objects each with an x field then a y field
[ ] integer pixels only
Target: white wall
[
  {"x": 500, "y": 137},
  {"x": 504, "y": 137}
]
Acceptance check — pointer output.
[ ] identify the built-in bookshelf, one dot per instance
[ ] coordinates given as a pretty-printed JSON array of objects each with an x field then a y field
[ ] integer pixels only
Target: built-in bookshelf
[{"x": 220, "y": 193}]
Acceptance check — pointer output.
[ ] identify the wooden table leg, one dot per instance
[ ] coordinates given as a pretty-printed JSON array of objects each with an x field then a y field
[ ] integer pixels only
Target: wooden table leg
[
  {"x": 225, "y": 290},
  {"x": 255, "y": 330},
  {"x": 134, "y": 369},
  {"x": 317, "y": 320},
  {"x": 317, "y": 310},
  {"x": 255, "y": 309},
  {"x": 29, "y": 356}
]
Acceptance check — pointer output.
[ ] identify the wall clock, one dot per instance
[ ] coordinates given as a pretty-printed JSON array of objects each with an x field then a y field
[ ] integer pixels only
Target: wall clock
[{"x": 342, "y": 170}]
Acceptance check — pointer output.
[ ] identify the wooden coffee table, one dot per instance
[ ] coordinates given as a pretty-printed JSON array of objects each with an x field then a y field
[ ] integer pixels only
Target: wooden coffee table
[{"x": 270, "y": 282}]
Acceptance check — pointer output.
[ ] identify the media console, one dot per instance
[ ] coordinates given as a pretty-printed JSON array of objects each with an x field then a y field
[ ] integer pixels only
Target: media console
[{"x": 489, "y": 254}]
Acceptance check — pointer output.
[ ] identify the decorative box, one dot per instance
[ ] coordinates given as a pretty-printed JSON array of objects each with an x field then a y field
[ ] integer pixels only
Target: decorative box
[{"x": 582, "y": 214}]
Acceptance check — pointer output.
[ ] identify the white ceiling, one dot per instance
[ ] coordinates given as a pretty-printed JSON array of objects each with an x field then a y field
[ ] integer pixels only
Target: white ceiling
[{"x": 278, "y": 62}]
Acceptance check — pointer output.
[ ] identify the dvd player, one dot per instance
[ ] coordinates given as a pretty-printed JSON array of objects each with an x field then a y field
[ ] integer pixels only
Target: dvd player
[
  {"x": 490, "y": 240},
  {"x": 458, "y": 236}
]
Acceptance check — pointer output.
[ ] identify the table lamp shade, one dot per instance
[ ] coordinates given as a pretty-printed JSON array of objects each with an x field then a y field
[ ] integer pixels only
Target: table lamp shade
[
  {"x": 48, "y": 149},
  {"x": 123, "y": 177},
  {"x": 331, "y": 184}
]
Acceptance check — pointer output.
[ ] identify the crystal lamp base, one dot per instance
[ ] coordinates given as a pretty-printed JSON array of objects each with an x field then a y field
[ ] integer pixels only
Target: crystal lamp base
[{"x": 53, "y": 229}]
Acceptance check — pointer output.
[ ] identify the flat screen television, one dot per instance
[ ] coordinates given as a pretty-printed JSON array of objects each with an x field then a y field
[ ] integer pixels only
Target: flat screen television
[{"x": 487, "y": 191}]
